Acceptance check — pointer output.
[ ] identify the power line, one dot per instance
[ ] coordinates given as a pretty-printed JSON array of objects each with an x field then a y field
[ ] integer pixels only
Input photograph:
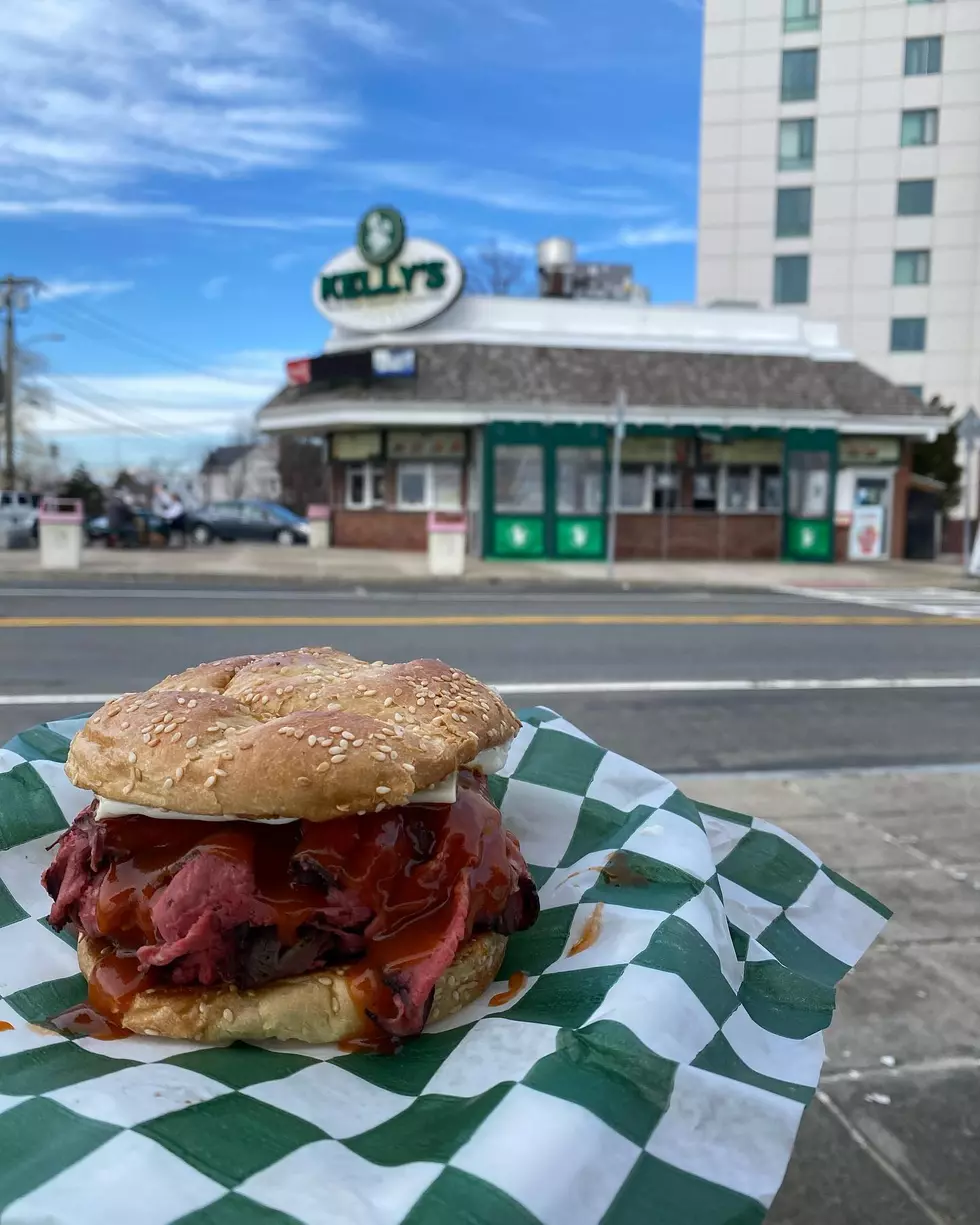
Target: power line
[{"x": 129, "y": 340}]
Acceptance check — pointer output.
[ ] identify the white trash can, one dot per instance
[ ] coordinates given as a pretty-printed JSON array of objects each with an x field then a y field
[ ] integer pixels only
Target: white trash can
[
  {"x": 60, "y": 531},
  {"x": 318, "y": 517},
  {"x": 447, "y": 544}
]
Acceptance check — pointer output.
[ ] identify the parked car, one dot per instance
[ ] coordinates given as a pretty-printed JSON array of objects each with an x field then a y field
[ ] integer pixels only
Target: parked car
[
  {"x": 233, "y": 521},
  {"x": 18, "y": 515}
]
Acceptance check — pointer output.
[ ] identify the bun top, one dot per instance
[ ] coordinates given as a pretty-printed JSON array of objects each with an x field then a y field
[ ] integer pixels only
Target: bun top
[{"x": 311, "y": 733}]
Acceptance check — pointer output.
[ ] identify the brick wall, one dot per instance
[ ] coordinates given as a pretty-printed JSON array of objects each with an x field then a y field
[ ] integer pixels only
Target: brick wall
[
  {"x": 693, "y": 536},
  {"x": 379, "y": 529}
]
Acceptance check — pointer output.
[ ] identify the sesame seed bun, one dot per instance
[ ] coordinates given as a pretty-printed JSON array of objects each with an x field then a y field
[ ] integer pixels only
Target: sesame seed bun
[
  {"x": 313, "y": 1008},
  {"x": 312, "y": 733}
]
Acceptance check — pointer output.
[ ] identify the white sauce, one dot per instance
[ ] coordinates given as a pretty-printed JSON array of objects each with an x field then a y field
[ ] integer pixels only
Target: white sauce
[{"x": 489, "y": 761}]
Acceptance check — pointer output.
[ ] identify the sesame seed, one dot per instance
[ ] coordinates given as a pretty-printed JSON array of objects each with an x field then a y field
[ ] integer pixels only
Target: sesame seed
[
  {"x": 380, "y": 807},
  {"x": 335, "y": 1005},
  {"x": 191, "y": 742},
  {"x": 124, "y": 725},
  {"x": 167, "y": 784},
  {"x": 283, "y": 731},
  {"x": 378, "y": 756},
  {"x": 289, "y": 689},
  {"x": 334, "y": 706},
  {"x": 179, "y": 773},
  {"x": 399, "y": 717},
  {"x": 420, "y": 702},
  {"x": 221, "y": 744},
  {"x": 409, "y": 768},
  {"x": 210, "y": 781},
  {"x": 159, "y": 728},
  {"x": 398, "y": 693},
  {"x": 378, "y": 663},
  {"x": 212, "y": 727},
  {"x": 298, "y": 734},
  {"x": 311, "y": 741},
  {"x": 181, "y": 701},
  {"x": 220, "y": 773},
  {"x": 279, "y": 692},
  {"x": 347, "y": 735},
  {"x": 338, "y": 760},
  {"x": 370, "y": 693},
  {"x": 335, "y": 730},
  {"x": 303, "y": 781},
  {"x": 228, "y": 1015},
  {"x": 382, "y": 790},
  {"x": 265, "y": 699},
  {"x": 227, "y": 756},
  {"x": 322, "y": 767},
  {"x": 388, "y": 702},
  {"x": 127, "y": 790},
  {"x": 154, "y": 742},
  {"x": 192, "y": 702},
  {"x": 394, "y": 755},
  {"x": 357, "y": 743},
  {"x": 243, "y": 747},
  {"x": 131, "y": 759}
]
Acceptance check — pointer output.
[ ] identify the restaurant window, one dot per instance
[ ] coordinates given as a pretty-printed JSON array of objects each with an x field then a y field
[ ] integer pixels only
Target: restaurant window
[
  {"x": 518, "y": 480},
  {"x": 581, "y": 472},
  {"x": 916, "y": 197},
  {"x": 770, "y": 488},
  {"x": 646, "y": 487},
  {"x": 808, "y": 488},
  {"x": 364, "y": 486},
  {"x": 801, "y": 15},
  {"x": 430, "y": 486},
  {"x": 796, "y": 143},
  {"x": 920, "y": 127},
  {"x": 704, "y": 489},
  {"x": 923, "y": 56},
  {"x": 793, "y": 209},
  {"x": 799, "y": 80},
  {"x": 738, "y": 488}
]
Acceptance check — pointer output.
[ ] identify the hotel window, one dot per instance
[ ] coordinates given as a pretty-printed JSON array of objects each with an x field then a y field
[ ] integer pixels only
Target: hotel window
[
  {"x": 801, "y": 15},
  {"x": 791, "y": 279},
  {"x": 923, "y": 56},
  {"x": 364, "y": 486},
  {"x": 912, "y": 267},
  {"x": 793, "y": 211},
  {"x": 908, "y": 335},
  {"x": 914, "y": 389},
  {"x": 796, "y": 143},
  {"x": 916, "y": 197},
  {"x": 799, "y": 79},
  {"x": 437, "y": 486},
  {"x": 920, "y": 127}
]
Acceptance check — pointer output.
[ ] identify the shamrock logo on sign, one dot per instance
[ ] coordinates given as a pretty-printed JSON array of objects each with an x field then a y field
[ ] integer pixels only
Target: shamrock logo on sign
[
  {"x": 580, "y": 535},
  {"x": 518, "y": 535},
  {"x": 381, "y": 235},
  {"x": 808, "y": 538}
]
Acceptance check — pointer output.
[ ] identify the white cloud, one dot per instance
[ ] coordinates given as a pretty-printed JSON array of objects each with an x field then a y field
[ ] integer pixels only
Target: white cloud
[
  {"x": 101, "y": 206},
  {"x": 213, "y": 289},
  {"x": 667, "y": 234},
  {"x": 503, "y": 190},
  {"x": 54, "y": 290},
  {"x": 95, "y": 94},
  {"x": 363, "y": 27},
  {"x": 164, "y": 405}
]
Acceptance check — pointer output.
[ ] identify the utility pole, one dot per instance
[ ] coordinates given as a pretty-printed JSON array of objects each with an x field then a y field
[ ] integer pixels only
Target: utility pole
[{"x": 14, "y": 291}]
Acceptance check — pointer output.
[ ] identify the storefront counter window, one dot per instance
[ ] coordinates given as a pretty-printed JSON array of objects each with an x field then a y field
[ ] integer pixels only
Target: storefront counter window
[
  {"x": 364, "y": 486},
  {"x": 739, "y": 491},
  {"x": 704, "y": 489},
  {"x": 430, "y": 486}
]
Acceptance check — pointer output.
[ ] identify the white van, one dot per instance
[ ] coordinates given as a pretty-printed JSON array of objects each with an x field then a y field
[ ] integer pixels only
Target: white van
[{"x": 18, "y": 517}]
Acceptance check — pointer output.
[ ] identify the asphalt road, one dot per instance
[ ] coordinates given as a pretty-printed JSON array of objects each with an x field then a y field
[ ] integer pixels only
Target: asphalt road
[{"x": 565, "y": 649}]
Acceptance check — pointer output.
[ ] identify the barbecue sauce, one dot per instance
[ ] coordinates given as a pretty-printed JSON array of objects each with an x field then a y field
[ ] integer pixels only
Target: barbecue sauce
[
  {"x": 4, "y": 1026},
  {"x": 515, "y": 984},
  {"x": 425, "y": 874}
]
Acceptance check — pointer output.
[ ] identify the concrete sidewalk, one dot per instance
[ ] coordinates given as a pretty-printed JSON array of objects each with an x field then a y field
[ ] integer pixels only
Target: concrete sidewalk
[
  {"x": 893, "y": 1137},
  {"x": 370, "y": 566}
]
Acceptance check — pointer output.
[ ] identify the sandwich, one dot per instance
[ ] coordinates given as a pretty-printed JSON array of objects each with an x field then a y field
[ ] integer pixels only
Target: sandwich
[{"x": 298, "y": 846}]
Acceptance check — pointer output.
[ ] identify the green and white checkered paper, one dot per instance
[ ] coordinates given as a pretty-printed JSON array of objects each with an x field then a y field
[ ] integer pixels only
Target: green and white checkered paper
[{"x": 658, "y": 1075}]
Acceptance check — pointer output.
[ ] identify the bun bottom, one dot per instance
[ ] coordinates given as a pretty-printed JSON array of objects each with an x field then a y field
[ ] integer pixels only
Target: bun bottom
[{"x": 315, "y": 1007}]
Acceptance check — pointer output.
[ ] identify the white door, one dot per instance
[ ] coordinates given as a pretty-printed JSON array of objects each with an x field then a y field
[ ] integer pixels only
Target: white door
[{"x": 871, "y": 515}]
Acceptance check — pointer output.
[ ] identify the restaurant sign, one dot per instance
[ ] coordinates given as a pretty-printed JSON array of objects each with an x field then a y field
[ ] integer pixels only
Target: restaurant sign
[{"x": 387, "y": 282}]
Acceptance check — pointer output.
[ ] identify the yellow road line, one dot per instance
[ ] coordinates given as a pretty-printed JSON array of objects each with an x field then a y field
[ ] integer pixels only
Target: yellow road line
[{"x": 475, "y": 620}]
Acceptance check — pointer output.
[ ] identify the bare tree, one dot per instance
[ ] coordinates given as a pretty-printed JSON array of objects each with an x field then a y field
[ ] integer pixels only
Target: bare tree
[{"x": 496, "y": 270}]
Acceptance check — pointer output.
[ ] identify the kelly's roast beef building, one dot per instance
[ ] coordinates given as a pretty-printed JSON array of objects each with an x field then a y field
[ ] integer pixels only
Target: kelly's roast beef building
[{"x": 744, "y": 433}]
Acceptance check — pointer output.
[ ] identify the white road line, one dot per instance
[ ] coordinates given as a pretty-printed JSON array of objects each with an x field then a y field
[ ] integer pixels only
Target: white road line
[
  {"x": 610, "y": 688},
  {"x": 926, "y": 601}
]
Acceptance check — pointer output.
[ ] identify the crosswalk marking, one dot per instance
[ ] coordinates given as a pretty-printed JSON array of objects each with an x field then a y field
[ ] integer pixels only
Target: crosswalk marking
[{"x": 925, "y": 601}]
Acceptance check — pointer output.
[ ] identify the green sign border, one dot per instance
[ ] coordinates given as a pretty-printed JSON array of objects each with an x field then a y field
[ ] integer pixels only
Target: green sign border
[{"x": 398, "y": 240}]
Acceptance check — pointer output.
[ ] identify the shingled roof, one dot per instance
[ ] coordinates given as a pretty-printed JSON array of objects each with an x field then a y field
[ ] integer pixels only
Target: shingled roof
[{"x": 520, "y": 375}]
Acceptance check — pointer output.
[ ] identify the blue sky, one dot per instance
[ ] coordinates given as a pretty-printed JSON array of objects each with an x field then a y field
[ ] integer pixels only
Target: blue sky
[{"x": 177, "y": 170}]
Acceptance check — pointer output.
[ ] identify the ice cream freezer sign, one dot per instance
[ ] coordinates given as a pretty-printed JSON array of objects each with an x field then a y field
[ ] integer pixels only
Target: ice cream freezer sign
[{"x": 387, "y": 282}]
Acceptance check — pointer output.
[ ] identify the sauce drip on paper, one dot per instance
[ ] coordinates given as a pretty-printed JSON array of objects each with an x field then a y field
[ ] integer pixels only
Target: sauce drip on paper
[
  {"x": 590, "y": 932},
  {"x": 515, "y": 984}
]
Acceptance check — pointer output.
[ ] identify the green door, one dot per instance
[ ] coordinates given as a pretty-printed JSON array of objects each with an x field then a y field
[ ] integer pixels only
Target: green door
[
  {"x": 545, "y": 491},
  {"x": 810, "y": 473}
]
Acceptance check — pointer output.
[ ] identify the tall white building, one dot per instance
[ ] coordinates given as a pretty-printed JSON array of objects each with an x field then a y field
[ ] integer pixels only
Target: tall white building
[{"x": 840, "y": 175}]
